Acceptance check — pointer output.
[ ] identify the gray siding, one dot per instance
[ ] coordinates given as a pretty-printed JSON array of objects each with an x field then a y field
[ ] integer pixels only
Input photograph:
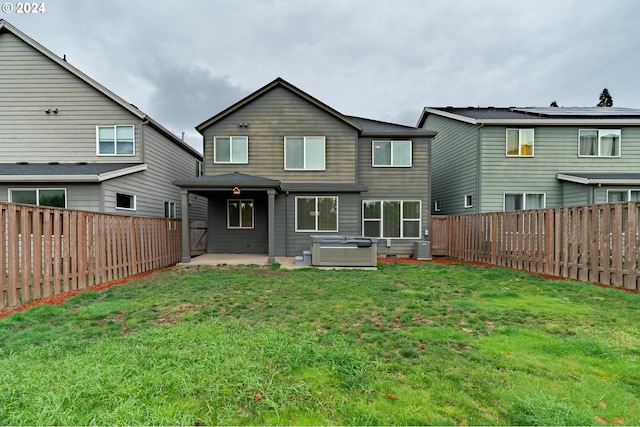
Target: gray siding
[
  {"x": 390, "y": 183},
  {"x": 454, "y": 165},
  {"x": 30, "y": 83},
  {"x": 271, "y": 117},
  {"x": 555, "y": 150},
  {"x": 460, "y": 168},
  {"x": 226, "y": 240}
]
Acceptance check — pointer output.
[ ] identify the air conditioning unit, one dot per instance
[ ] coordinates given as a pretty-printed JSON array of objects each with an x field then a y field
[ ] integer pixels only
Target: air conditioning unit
[{"x": 422, "y": 250}]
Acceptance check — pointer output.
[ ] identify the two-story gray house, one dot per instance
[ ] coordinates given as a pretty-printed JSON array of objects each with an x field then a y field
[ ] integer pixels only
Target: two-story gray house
[
  {"x": 502, "y": 159},
  {"x": 281, "y": 166},
  {"x": 66, "y": 141}
]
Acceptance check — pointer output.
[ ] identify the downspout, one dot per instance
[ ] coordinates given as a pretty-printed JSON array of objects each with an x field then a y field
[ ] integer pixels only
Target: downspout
[
  {"x": 142, "y": 138},
  {"x": 479, "y": 169}
]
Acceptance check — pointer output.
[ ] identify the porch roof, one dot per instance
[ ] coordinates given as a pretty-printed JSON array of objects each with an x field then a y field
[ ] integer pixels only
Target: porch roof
[
  {"x": 227, "y": 181},
  {"x": 600, "y": 178},
  {"x": 244, "y": 181}
]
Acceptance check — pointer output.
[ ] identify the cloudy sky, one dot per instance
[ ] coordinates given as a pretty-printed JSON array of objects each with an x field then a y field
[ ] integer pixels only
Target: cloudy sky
[{"x": 183, "y": 61}]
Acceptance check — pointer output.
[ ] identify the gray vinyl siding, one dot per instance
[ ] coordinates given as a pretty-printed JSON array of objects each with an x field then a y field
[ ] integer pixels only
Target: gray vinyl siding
[
  {"x": 454, "y": 165},
  {"x": 166, "y": 162},
  {"x": 271, "y": 117},
  {"x": 30, "y": 83},
  {"x": 396, "y": 183},
  {"x": 555, "y": 150},
  {"x": 576, "y": 194}
]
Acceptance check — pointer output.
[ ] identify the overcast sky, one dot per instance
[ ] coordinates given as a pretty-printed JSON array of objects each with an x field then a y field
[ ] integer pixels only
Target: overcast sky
[{"x": 183, "y": 61}]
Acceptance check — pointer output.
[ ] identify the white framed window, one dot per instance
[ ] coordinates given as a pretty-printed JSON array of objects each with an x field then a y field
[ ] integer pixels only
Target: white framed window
[
  {"x": 169, "y": 209},
  {"x": 437, "y": 206},
  {"x": 304, "y": 153},
  {"x": 199, "y": 168},
  {"x": 115, "y": 140},
  {"x": 468, "y": 201},
  {"x": 391, "y": 154},
  {"x": 522, "y": 201},
  {"x": 599, "y": 142},
  {"x": 401, "y": 219},
  {"x": 616, "y": 196},
  {"x": 240, "y": 213},
  {"x": 231, "y": 149},
  {"x": 520, "y": 142},
  {"x": 126, "y": 201},
  {"x": 53, "y": 197},
  {"x": 316, "y": 214}
]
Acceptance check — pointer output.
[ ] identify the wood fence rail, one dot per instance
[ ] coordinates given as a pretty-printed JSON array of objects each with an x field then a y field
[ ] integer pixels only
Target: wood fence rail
[
  {"x": 46, "y": 251},
  {"x": 596, "y": 243}
]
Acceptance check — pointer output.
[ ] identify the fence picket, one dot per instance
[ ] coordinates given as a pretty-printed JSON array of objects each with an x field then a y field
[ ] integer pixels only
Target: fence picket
[
  {"x": 597, "y": 243},
  {"x": 47, "y": 251}
]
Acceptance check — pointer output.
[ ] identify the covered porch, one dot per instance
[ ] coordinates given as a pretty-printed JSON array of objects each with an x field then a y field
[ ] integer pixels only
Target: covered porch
[{"x": 241, "y": 214}]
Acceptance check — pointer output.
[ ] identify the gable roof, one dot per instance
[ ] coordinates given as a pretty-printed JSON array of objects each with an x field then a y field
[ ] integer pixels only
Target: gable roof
[
  {"x": 279, "y": 82},
  {"x": 7, "y": 27},
  {"x": 536, "y": 115}
]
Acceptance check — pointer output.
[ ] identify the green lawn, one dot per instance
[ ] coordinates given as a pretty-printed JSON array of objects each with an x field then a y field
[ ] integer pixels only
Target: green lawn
[{"x": 407, "y": 344}]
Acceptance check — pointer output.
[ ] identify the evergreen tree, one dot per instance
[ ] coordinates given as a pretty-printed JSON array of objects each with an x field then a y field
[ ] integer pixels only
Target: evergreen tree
[
  {"x": 554, "y": 104},
  {"x": 605, "y": 99}
]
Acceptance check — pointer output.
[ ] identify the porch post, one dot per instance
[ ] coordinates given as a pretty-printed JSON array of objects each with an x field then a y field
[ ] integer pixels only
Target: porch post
[
  {"x": 186, "y": 240},
  {"x": 271, "y": 227}
]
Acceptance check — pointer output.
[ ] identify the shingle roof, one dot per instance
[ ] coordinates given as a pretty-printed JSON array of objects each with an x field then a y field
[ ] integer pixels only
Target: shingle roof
[
  {"x": 66, "y": 172},
  {"x": 376, "y": 127},
  {"x": 82, "y": 168},
  {"x": 549, "y": 113}
]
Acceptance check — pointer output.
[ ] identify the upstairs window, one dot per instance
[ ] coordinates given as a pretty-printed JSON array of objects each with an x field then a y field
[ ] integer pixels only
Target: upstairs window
[
  {"x": 231, "y": 149},
  {"x": 304, "y": 153},
  {"x": 116, "y": 141},
  {"x": 519, "y": 142},
  {"x": 599, "y": 143},
  {"x": 391, "y": 153},
  {"x": 522, "y": 201}
]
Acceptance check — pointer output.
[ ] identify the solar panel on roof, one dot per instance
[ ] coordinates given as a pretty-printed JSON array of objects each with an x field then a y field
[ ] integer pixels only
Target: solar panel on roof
[{"x": 581, "y": 111}]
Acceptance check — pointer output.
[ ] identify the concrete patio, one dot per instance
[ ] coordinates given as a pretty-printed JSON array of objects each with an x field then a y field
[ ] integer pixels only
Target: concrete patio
[
  {"x": 241, "y": 259},
  {"x": 256, "y": 259}
]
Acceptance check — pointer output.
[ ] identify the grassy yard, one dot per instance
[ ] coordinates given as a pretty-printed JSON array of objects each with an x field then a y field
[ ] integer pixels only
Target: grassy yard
[{"x": 407, "y": 344}]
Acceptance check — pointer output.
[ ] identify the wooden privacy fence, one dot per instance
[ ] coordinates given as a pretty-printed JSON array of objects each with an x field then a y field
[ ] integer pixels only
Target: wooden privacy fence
[
  {"x": 597, "y": 243},
  {"x": 46, "y": 251}
]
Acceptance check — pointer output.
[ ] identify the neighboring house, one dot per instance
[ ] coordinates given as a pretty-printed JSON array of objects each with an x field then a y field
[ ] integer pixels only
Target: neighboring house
[
  {"x": 501, "y": 159},
  {"x": 281, "y": 166},
  {"x": 66, "y": 141}
]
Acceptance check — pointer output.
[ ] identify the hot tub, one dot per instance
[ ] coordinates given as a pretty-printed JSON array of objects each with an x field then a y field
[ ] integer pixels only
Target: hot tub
[{"x": 344, "y": 251}]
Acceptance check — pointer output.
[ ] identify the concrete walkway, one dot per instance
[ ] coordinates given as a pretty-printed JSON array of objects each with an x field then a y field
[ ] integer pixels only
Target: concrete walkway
[{"x": 241, "y": 259}]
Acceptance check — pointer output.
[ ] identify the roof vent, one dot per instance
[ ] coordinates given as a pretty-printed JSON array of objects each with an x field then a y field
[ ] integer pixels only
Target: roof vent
[
  {"x": 81, "y": 163},
  {"x": 22, "y": 163},
  {"x": 53, "y": 163}
]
